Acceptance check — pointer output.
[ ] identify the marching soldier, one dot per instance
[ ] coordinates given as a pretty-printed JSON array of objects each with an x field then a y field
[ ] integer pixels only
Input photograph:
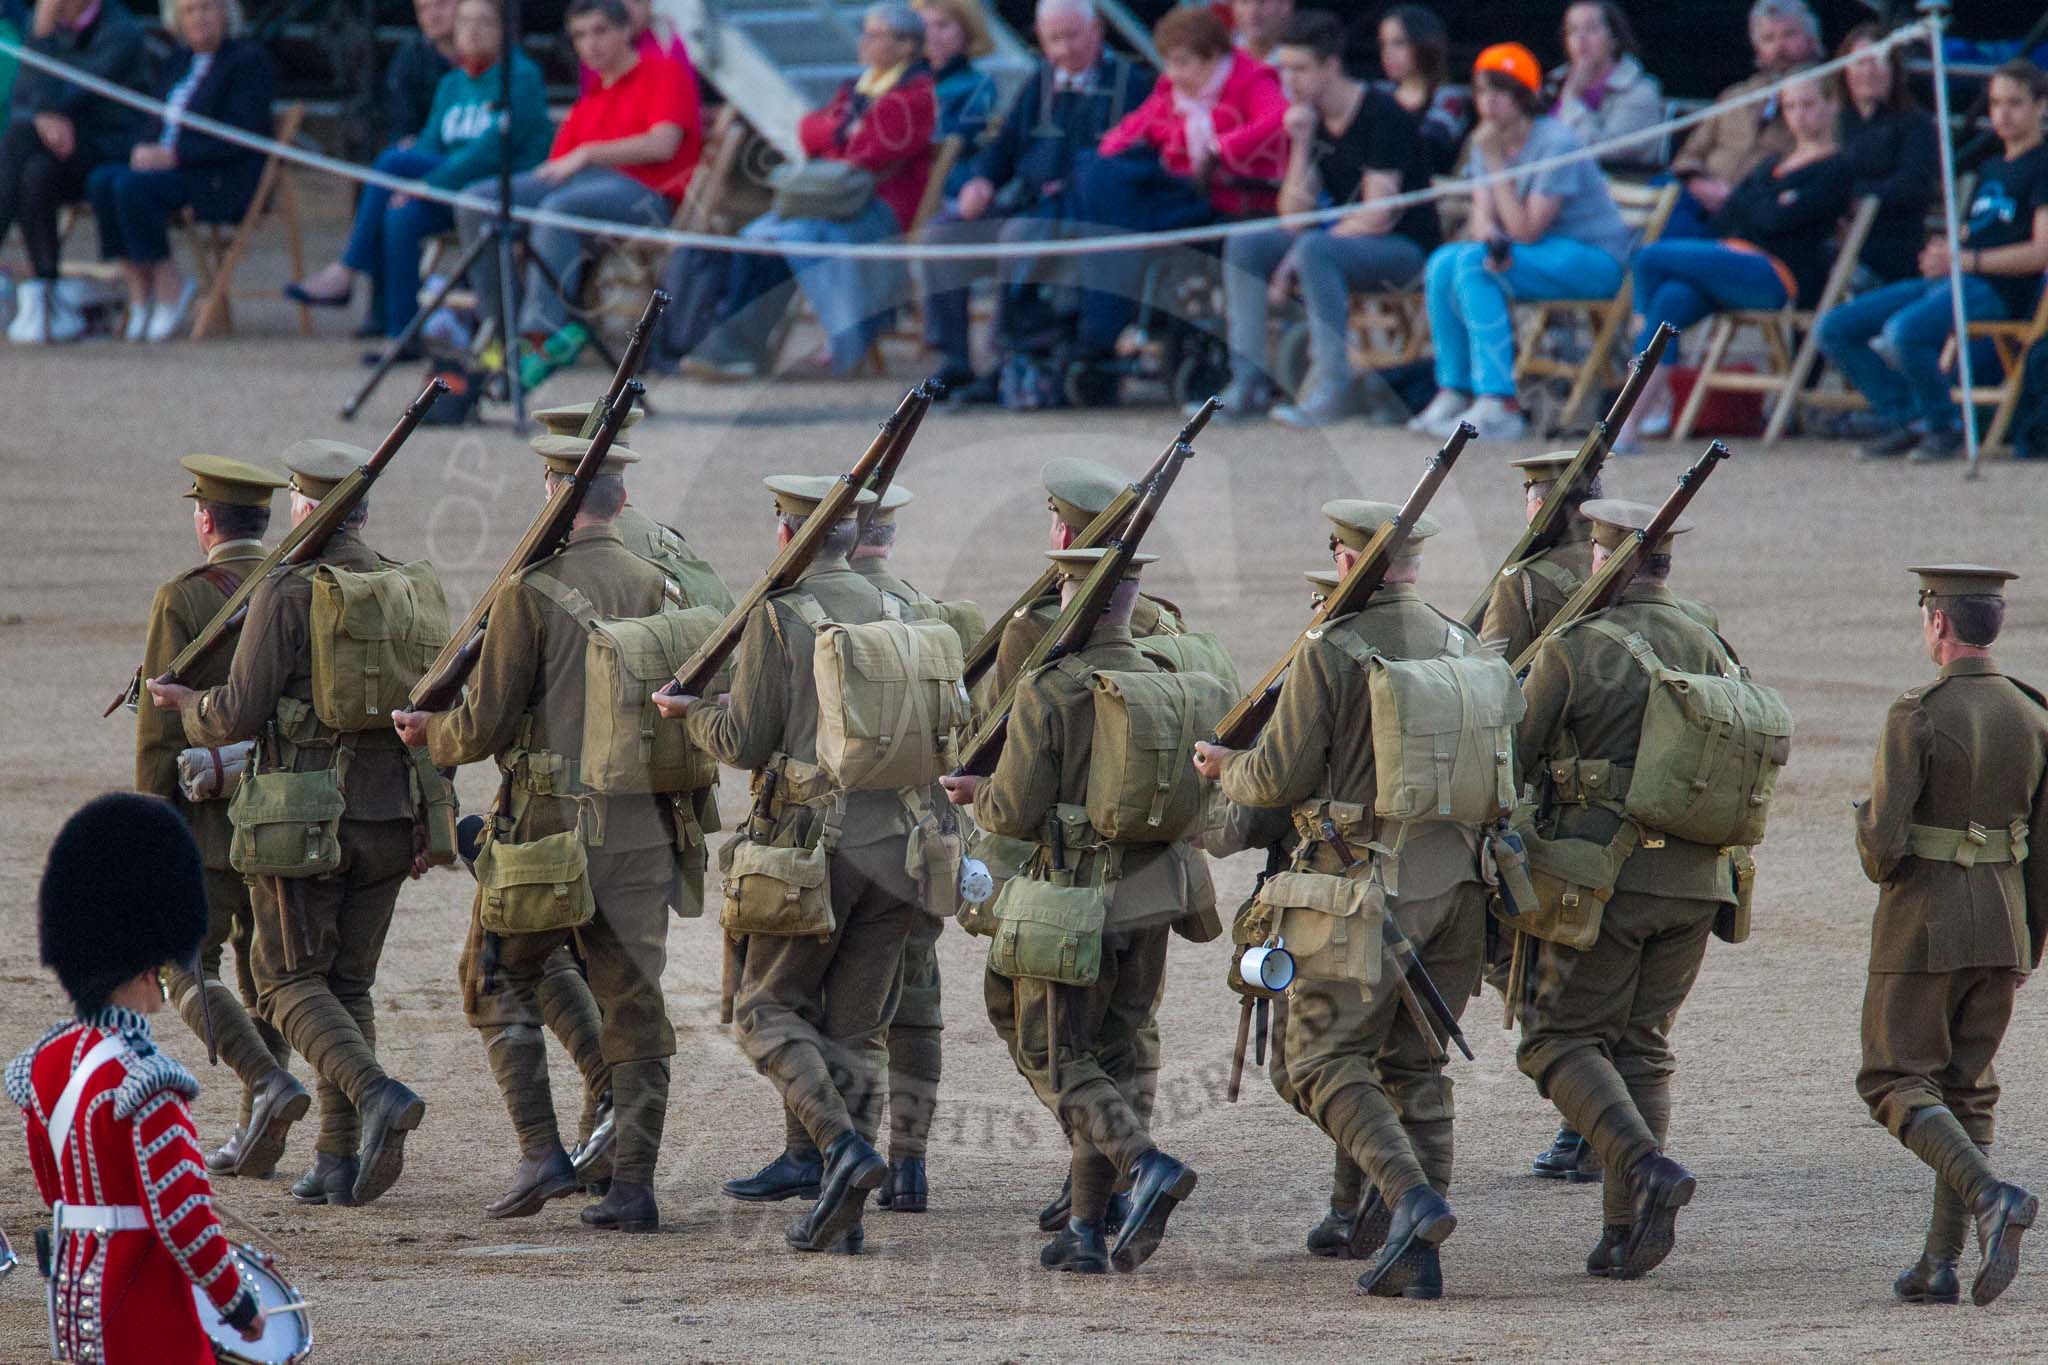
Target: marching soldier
[
  {"x": 524, "y": 708},
  {"x": 1355, "y": 1060},
  {"x": 1081, "y": 1056},
  {"x": 231, "y": 511},
  {"x": 1526, "y": 596},
  {"x": 317, "y": 952},
  {"x": 1596, "y": 1022},
  {"x": 812, "y": 1010},
  {"x": 915, "y": 1052},
  {"x": 1959, "y": 787}
]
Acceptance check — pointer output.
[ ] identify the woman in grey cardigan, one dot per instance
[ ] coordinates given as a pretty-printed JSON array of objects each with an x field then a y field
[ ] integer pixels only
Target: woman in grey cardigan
[{"x": 1602, "y": 91}]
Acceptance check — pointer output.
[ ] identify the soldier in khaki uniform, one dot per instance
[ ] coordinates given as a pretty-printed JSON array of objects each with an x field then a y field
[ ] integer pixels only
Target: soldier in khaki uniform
[
  {"x": 231, "y": 511},
  {"x": 316, "y": 957},
  {"x": 1357, "y": 1061},
  {"x": 1596, "y": 1023},
  {"x": 1093, "y": 1089},
  {"x": 812, "y": 1012},
  {"x": 1526, "y": 596},
  {"x": 1959, "y": 791},
  {"x": 523, "y": 708},
  {"x": 915, "y": 1052}
]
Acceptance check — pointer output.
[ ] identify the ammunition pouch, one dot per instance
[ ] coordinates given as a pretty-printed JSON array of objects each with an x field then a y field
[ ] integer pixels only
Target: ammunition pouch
[{"x": 534, "y": 888}]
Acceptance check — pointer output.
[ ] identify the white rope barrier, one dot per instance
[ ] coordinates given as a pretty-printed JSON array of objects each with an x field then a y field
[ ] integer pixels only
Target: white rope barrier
[{"x": 903, "y": 251}]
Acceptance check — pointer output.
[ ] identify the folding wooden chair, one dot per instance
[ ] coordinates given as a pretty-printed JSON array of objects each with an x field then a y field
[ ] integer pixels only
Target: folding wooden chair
[
  {"x": 1646, "y": 209},
  {"x": 218, "y": 248},
  {"x": 1781, "y": 329},
  {"x": 2011, "y": 341}
]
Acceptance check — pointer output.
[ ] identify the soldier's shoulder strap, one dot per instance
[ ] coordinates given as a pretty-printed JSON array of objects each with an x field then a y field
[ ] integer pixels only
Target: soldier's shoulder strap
[
  {"x": 1549, "y": 570},
  {"x": 2029, "y": 691},
  {"x": 1337, "y": 633},
  {"x": 570, "y": 600},
  {"x": 1171, "y": 621}
]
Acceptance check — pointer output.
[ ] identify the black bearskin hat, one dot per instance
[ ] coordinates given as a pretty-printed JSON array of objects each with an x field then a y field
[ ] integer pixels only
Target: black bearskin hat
[{"x": 124, "y": 891}]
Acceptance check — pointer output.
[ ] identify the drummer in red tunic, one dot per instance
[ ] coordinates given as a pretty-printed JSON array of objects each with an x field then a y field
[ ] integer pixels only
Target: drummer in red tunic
[{"x": 114, "y": 1151}]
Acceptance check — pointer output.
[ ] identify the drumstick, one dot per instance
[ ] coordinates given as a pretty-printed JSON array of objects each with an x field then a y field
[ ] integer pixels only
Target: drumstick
[{"x": 297, "y": 1306}]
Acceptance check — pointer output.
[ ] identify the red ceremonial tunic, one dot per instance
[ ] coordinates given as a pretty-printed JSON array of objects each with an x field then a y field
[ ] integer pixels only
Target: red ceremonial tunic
[{"x": 131, "y": 1155}]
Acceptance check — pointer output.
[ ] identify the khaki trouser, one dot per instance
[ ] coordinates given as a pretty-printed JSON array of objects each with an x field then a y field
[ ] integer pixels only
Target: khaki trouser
[
  {"x": 812, "y": 1014},
  {"x": 1358, "y": 1063},
  {"x": 1928, "y": 1038},
  {"x": 317, "y": 959},
  {"x": 1596, "y": 1026},
  {"x": 915, "y": 1057}
]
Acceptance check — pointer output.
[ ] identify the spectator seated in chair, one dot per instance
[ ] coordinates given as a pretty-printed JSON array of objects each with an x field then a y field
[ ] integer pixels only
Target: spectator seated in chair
[
  {"x": 869, "y": 155},
  {"x": 653, "y": 36},
  {"x": 1894, "y": 153},
  {"x": 1773, "y": 246},
  {"x": 624, "y": 155},
  {"x": 1347, "y": 143},
  {"x": 1716, "y": 154},
  {"x": 217, "y": 74},
  {"x": 1549, "y": 234},
  {"x": 1602, "y": 92},
  {"x": 2004, "y": 250},
  {"x": 57, "y": 134},
  {"x": 413, "y": 78},
  {"x": 1415, "y": 55},
  {"x": 458, "y": 145},
  {"x": 1020, "y": 183},
  {"x": 1207, "y": 144}
]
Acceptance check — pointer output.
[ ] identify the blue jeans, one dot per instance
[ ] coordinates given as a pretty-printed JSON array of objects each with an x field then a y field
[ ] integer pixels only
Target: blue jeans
[
  {"x": 133, "y": 209},
  {"x": 1684, "y": 281},
  {"x": 1129, "y": 193},
  {"x": 1331, "y": 270},
  {"x": 1471, "y": 308},
  {"x": 594, "y": 192},
  {"x": 385, "y": 242},
  {"x": 1916, "y": 320}
]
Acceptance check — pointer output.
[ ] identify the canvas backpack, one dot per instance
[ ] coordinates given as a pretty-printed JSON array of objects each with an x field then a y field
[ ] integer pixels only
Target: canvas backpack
[{"x": 374, "y": 635}]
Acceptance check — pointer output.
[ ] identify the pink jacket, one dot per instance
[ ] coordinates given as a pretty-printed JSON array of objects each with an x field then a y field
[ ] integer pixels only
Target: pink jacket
[{"x": 1250, "y": 141}]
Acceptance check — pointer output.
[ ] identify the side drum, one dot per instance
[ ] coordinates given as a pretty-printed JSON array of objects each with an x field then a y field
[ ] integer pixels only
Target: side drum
[{"x": 287, "y": 1333}]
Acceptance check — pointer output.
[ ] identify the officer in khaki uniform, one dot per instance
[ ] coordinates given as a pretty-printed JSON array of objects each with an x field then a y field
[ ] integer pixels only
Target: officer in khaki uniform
[
  {"x": 231, "y": 511},
  {"x": 1596, "y": 1023},
  {"x": 1526, "y": 596},
  {"x": 812, "y": 1013},
  {"x": 1357, "y": 1061},
  {"x": 915, "y": 1051},
  {"x": 1958, "y": 794},
  {"x": 316, "y": 955},
  {"x": 1093, "y": 1089},
  {"x": 1077, "y": 491},
  {"x": 524, "y": 709}
]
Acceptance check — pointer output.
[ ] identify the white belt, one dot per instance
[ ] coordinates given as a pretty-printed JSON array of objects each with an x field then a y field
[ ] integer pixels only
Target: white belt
[{"x": 100, "y": 1217}]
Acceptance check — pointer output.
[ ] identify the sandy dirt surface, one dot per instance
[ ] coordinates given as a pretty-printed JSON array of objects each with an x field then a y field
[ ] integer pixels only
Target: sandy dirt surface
[{"x": 1805, "y": 1209}]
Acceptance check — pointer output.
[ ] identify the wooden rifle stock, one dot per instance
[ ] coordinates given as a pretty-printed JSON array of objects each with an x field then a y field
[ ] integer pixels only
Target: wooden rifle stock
[
  {"x": 982, "y": 656},
  {"x": 1242, "y": 725},
  {"x": 1606, "y": 582},
  {"x": 888, "y": 449},
  {"x": 1547, "y": 526},
  {"x": 1077, "y": 620},
  {"x": 546, "y": 534},
  {"x": 301, "y": 544}
]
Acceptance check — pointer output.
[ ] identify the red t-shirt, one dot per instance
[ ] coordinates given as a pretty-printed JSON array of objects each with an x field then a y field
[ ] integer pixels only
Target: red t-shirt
[{"x": 653, "y": 92}]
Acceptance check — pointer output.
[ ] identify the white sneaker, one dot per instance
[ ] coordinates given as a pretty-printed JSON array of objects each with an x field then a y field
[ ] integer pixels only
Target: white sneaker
[
  {"x": 63, "y": 320},
  {"x": 1440, "y": 418},
  {"x": 30, "y": 306},
  {"x": 1493, "y": 419},
  {"x": 138, "y": 320},
  {"x": 166, "y": 320}
]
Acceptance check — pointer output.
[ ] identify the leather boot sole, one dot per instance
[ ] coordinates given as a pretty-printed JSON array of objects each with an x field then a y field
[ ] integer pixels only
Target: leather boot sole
[
  {"x": 536, "y": 1198},
  {"x": 830, "y": 1226},
  {"x": 1921, "y": 1296},
  {"x": 1647, "y": 1248},
  {"x": 1395, "y": 1276},
  {"x": 262, "y": 1151},
  {"x": 381, "y": 1168},
  {"x": 775, "y": 1196},
  {"x": 1135, "y": 1245},
  {"x": 2002, "y": 1260},
  {"x": 1369, "y": 1229}
]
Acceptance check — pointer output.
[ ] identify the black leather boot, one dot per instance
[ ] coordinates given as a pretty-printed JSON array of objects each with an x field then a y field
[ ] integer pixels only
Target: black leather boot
[
  {"x": 593, "y": 1156},
  {"x": 536, "y": 1180},
  {"x": 626, "y": 1207},
  {"x": 1605, "y": 1257},
  {"x": 793, "y": 1175},
  {"x": 280, "y": 1103},
  {"x": 853, "y": 1168},
  {"x": 1420, "y": 1223},
  {"x": 1331, "y": 1237},
  {"x": 1929, "y": 1281},
  {"x": 1569, "y": 1157},
  {"x": 331, "y": 1181},
  {"x": 1658, "y": 1188},
  {"x": 1077, "y": 1248},
  {"x": 389, "y": 1112},
  {"x": 1158, "y": 1184},
  {"x": 2004, "y": 1214},
  {"x": 1054, "y": 1216},
  {"x": 904, "y": 1189}
]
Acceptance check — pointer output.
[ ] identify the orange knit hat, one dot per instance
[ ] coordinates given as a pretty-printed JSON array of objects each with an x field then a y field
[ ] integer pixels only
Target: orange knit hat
[{"x": 1514, "y": 61}]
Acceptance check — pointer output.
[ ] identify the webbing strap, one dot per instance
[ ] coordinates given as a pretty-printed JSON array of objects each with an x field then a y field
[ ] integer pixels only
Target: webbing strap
[
  {"x": 66, "y": 1112},
  {"x": 1968, "y": 847}
]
